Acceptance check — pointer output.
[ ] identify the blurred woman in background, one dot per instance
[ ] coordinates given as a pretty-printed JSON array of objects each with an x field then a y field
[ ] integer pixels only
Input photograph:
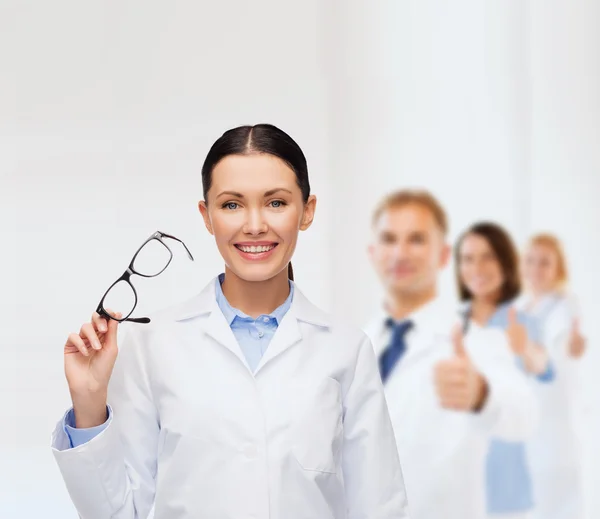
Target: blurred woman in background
[
  {"x": 487, "y": 273},
  {"x": 554, "y": 453}
]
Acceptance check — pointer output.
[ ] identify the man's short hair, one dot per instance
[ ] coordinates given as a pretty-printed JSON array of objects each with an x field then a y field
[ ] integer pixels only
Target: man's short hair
[{"x": 404, "y": 197}]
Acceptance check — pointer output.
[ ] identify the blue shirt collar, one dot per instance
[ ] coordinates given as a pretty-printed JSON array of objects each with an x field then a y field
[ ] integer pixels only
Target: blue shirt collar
[
  {"x": 231, "y": 313},
  {"x": 499, "y": 314}
]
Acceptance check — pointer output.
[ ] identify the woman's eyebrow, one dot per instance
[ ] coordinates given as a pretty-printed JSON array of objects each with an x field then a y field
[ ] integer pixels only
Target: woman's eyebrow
[
  {"x": 267, "y": 193},
  {"x": 231, "y": 193},
  {"x": 273, "y": 191}
]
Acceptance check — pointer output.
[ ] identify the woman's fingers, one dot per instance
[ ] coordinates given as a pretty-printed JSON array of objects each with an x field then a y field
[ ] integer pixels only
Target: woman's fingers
[
  {"x": 88, "y": 332},
  {"x": 99, "y": 322},
  {"x": 75, "y": 341}
]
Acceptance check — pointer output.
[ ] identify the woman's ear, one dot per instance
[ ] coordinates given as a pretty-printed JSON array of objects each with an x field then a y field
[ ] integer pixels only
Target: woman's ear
[
  {"x": 309, "y": 212},
  {"x": 204, "y": 212}
]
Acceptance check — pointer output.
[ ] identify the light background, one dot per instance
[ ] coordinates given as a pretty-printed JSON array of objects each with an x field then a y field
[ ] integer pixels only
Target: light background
[{"x": 107, "y": 111}]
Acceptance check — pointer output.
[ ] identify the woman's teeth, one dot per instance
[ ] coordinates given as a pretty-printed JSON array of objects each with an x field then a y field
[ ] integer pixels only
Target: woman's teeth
[{"x": 255, "y": 249}]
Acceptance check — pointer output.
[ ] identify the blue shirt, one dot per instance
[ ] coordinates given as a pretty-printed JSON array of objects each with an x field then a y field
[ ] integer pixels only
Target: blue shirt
[
  {"x": 253, "y": 336},
  {"x": 508, "y": 482}
]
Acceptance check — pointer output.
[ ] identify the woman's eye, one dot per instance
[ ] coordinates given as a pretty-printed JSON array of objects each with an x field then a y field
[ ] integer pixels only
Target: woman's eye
[
  {"x": 277, "y": 204},
  {"x": 230, "y": 205}
]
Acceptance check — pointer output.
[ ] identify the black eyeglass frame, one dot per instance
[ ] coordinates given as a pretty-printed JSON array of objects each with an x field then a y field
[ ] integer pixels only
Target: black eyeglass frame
[{"x": 158, "y": 235}]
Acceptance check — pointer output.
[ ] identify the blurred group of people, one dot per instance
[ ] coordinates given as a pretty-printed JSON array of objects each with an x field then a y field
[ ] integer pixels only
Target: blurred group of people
[{"x": 482, "y": 394}]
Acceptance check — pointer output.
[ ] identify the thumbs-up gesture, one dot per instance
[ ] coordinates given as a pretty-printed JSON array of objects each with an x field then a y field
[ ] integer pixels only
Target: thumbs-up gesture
[
  {"x": 459, "y": 385},
  {"x": 517, "y": 334},
  {"x": 577, "y": 341}
]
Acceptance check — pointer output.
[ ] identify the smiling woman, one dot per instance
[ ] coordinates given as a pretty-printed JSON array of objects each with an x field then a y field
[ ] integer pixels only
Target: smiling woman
[
  {"x": 487, "y": 275},
  {"x": 256, "y": 199},
  {"x": 260, "y": 154},
  {"x": 246, "y": 401}
]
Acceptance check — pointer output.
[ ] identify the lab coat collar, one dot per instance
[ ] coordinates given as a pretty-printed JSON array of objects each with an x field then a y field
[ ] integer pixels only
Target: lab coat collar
[
  {"x": 288, "y": 332},
  {"x": 545, "y": 303},
  {"x": 433, "y": 317},
  {"x": 432, "y": 320},
  {"x": 206, "y": 303}
]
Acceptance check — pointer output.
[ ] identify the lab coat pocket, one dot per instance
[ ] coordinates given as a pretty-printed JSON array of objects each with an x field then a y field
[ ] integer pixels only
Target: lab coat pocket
[{"x": 318, "y": 428}]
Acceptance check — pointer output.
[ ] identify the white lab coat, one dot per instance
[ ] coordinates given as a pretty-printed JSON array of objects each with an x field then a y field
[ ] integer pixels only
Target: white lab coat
[
  {"x": 307, "y": 436},
  {"x": 443, "y": 452},
  {"x": 554, "y": 452}
]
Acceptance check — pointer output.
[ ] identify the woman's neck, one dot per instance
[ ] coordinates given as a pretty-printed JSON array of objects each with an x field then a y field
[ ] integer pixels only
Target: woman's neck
[
  {"x": 256, "y": 298},
  {"x": 482, "y": 309},
  {"x": 535, "y": 296}
]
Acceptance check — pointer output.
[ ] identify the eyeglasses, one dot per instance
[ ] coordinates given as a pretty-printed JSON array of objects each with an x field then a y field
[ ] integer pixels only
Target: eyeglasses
[{"x": 150, "y": 260}]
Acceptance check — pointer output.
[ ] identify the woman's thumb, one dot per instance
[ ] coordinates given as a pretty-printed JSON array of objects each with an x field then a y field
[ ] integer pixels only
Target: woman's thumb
[
  {"x": 113, "y": 326},
  {"x": 458, "y": 343},
  {"x": 512, "y": 316}
]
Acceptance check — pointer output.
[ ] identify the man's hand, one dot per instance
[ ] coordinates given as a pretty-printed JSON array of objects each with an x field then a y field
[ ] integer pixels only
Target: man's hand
[{"x": 459, "y": 385}]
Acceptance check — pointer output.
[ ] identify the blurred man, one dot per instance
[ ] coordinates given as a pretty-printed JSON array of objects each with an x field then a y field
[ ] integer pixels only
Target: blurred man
[{"x": 447, "y": 394}]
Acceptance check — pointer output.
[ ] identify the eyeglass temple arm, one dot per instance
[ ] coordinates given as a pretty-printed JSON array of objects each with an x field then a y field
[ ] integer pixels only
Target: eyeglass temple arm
[
  {"x": 177, "y": 239},
  {"x": 140, "y": 320}
]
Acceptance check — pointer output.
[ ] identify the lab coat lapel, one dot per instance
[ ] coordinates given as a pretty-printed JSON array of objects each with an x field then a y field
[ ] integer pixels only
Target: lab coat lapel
[
  {"x": 376, "y": 331},
  {"x": 214, "y": 324},
  {"x": 217, "y": 327},
  {"x": 288, "y": 332}
]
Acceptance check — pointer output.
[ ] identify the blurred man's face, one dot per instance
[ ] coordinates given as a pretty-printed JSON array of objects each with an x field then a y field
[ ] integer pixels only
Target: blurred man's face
[{"x": 408, "y": 250}]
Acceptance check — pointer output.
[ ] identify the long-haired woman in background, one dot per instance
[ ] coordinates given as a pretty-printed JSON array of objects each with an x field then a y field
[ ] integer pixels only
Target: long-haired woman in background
[{"x": 487, "y": 274}]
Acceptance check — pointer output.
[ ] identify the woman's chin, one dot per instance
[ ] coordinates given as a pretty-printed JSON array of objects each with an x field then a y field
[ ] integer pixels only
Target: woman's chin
[
  {"x": 258, "y": 272},
  {"x": 484, "y": 295}
]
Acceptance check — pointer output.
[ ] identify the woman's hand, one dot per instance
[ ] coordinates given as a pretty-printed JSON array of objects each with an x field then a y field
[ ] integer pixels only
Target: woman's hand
[
  {"x": 89, "y": 358},
  {"x": 577, "y": 342},
  {"x": 516, "y": 333}
]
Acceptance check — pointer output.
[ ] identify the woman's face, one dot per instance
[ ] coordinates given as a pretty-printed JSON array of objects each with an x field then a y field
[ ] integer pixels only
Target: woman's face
[
  {"x": 540, "y": 268},
  {"x": 254, "y": 209},
  {"x": 479, "y": 268}
]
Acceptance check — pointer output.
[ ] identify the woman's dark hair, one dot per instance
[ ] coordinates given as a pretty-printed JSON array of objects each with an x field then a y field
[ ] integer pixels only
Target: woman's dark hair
[
  {"x": 261, "y": 138},
  {"x": 506, "y": 254}
]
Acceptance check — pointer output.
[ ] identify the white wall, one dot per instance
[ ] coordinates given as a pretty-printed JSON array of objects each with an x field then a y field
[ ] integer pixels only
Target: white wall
[{"x": 107, "y": 111}]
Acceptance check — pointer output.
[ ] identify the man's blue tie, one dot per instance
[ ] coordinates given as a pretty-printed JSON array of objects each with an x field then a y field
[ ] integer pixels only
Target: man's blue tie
[{"x": 397, "y": 347}]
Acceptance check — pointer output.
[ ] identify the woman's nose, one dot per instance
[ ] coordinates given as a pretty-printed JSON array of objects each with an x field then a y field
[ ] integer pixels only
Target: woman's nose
[{"x": 255, "y": 223}]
